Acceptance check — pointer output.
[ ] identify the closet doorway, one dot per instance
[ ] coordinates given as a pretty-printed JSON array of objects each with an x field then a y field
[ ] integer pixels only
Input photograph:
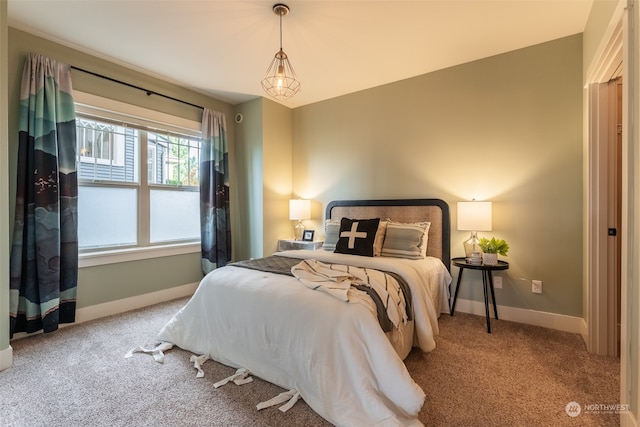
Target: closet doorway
[
  {"x": 614, "y": 213},
  {"x": 604, "y": 230}
]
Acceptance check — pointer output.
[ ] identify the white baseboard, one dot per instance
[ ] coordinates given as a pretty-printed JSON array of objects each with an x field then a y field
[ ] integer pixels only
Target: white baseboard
[
  {"x": 584, "y": 331},
  {"x": 6, "y": 358},
  {"x": 98, "y": 311},
  {"x": 559, "y": 322}
]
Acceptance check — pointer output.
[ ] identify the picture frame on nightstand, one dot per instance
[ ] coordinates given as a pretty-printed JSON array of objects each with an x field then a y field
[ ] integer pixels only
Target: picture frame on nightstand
[{"x": 307, "y": 235}]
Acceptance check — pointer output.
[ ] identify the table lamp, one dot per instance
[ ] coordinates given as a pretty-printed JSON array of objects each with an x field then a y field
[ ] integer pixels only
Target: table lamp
[
  {"x": 299, "y": 210},
  {"x": 473, "y": 216}
]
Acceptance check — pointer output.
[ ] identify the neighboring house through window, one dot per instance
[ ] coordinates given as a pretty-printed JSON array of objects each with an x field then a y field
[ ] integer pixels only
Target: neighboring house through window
[{"x": 138, "y": 183}]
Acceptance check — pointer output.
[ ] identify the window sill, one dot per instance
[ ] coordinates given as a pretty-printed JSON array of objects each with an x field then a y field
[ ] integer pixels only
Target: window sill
[{"x": 135, "y": 254}]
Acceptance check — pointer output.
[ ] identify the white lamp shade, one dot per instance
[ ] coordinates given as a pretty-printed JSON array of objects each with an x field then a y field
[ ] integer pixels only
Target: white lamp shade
[
  {"x": 299, "y": 209},
  {"x": 474, "y": 216}
]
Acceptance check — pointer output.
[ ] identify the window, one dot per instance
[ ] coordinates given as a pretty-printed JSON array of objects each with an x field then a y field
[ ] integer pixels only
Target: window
[
  {"x": 100, "y": 142},
  {"x": 138, "y": 179},
  {"x": 106, "y": 151},
  {"x": 173, "y": 159}
]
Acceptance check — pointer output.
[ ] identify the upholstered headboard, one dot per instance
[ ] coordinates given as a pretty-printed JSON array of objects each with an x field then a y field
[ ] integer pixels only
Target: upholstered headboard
[{"x": 435, "y": 211}]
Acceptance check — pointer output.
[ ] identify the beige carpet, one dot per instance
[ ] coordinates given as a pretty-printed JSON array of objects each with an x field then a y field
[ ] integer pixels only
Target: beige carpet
[{"x": 517, "y": 376}]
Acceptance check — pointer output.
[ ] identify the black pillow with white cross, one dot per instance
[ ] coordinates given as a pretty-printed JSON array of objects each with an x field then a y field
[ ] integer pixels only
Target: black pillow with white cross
[{"x": 356, "y": 236}]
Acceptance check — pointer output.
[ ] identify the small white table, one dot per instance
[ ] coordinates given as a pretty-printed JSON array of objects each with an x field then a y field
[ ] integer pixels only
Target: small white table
[{"x": 291, "y": 244}]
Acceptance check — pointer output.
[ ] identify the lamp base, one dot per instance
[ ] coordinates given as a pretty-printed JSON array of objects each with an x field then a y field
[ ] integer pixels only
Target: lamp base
[
  {"x": 298, "y": 230},
  {"x": 472, "y": 249}
]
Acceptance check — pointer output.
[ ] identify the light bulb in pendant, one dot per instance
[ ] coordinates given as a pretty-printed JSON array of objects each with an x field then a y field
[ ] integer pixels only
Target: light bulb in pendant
[{"x": 280, "y": 76}]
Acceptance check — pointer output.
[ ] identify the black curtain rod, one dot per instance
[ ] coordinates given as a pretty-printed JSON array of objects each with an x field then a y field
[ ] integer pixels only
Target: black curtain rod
[{"x": 147, "y": 91}]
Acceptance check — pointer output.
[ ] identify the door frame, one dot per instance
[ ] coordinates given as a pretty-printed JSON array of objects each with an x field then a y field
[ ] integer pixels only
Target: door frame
[
  {"x": 626, "y": 19},
  {"x": 601, "y": 316}
]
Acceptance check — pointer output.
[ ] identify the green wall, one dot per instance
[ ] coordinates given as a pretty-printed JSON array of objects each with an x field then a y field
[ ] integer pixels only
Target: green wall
[
  {"x": 249, "y": 192},
  {"x": 109, "y": 282},
  {"x": 100, "y": 284},
  {"x": 277, "y": 164},
  {"x": 506, "y": 129},
  {"x": 264, "y": 162}
]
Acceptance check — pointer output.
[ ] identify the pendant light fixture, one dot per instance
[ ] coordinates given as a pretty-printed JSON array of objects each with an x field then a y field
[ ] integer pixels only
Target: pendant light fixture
[{"x": 280, "y": 80}]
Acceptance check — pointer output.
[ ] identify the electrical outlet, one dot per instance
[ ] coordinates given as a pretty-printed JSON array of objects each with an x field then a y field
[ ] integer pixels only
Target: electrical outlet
[
  {"x": 536, "y": 286},
  {"x": 497, "y": 282}
]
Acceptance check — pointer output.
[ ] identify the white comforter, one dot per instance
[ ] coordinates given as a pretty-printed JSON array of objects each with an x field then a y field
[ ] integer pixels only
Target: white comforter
[{"x": 333, "y": 353}]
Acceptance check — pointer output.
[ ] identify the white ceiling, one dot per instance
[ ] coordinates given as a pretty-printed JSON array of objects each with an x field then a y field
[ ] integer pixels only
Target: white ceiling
[{"x": 223, "y": 47}]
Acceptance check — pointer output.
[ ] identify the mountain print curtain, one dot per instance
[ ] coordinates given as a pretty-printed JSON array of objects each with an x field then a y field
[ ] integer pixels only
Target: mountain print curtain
[
  {"x": 44, "y": 252},
  {"x": 214, "y": 192}
]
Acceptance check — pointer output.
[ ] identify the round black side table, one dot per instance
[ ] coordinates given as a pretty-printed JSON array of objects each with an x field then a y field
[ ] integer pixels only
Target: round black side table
[{"x": 487, "y": 279}]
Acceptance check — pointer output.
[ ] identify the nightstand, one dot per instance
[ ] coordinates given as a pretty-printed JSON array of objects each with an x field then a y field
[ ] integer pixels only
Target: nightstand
[
  {"x": 487, "y": 278},
  {"x": 290, "y": 245}
]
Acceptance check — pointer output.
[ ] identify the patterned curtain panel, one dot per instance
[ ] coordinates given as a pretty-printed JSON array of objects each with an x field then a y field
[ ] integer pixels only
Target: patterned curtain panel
[
  {"x": 44, "y": 252},
  {"x": 214, "y": 192}
]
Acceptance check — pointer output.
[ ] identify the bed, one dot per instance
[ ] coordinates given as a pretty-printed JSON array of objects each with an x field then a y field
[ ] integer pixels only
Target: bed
[{"x": 333, "y": 354}]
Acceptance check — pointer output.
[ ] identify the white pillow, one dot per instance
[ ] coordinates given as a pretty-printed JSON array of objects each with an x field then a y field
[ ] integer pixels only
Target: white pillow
[
  {"x": 378, "y": 242},
  {"x": 331, "y": 234},
  {"x": 406, "y": 240}
]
